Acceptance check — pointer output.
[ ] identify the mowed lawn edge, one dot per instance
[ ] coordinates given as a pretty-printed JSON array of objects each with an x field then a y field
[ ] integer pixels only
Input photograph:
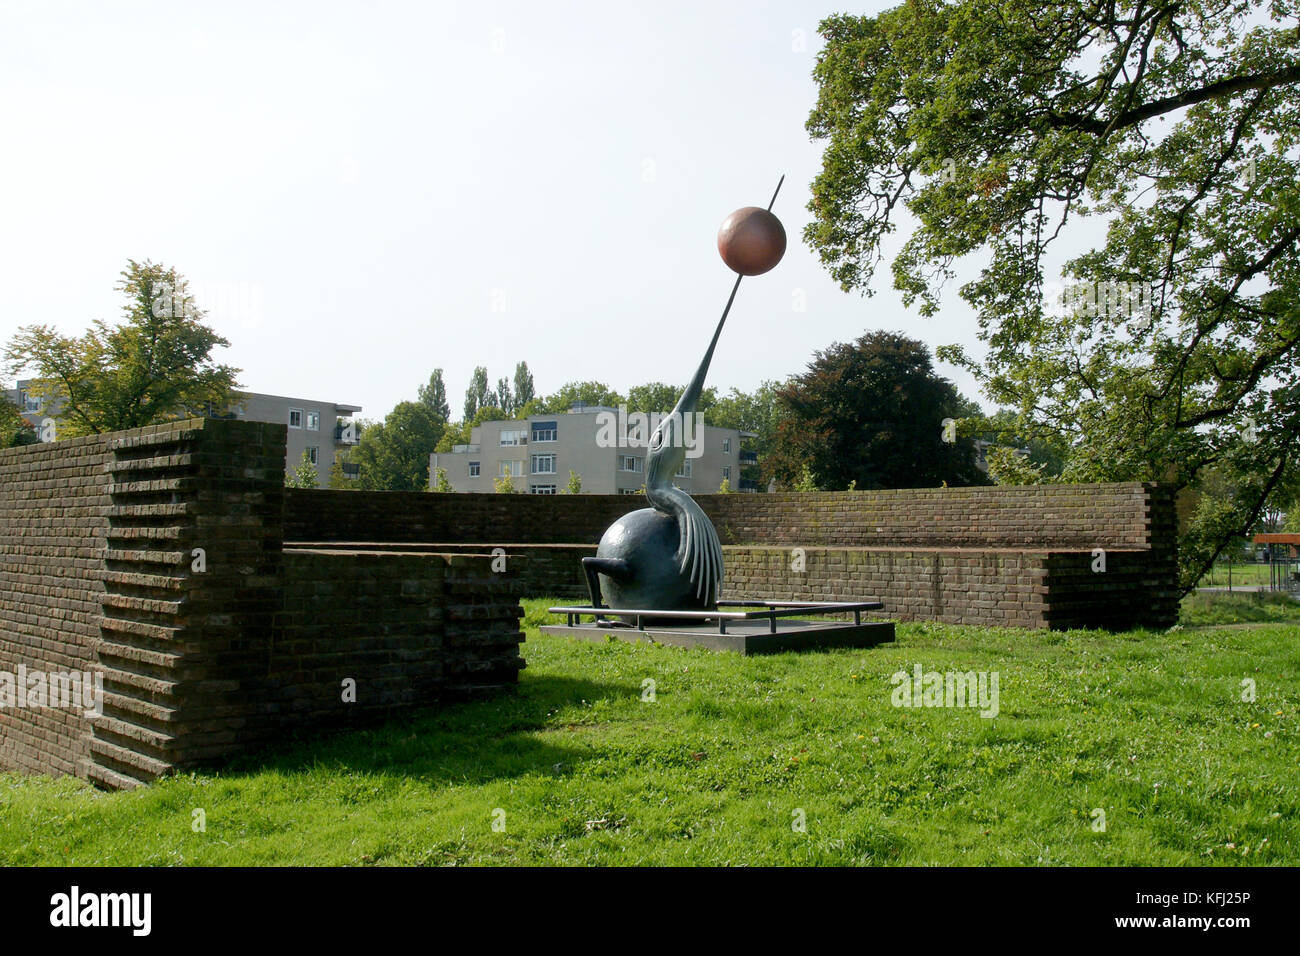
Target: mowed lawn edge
[{"x": 1156, "y": 748}]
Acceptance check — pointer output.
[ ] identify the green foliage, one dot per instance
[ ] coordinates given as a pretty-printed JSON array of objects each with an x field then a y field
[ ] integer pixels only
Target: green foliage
[
  {"x": 758, "y": 412},
  {"x": 657, "y": 397},
  {"x": 996, "y": 127},
  {"x": 303, "y": 476},
  {"x": 488, "y": 413},
  {"x": 872, "y": 412},
  {"x": 590, "y": 773},
  {"x": 153, "y": 367},
  {"x": 457, "y": 433},
  {"x": 574, "y": 487},
  {"x": 441, "y": 483},
  {"x": 1007, "y": 467},
  {"x": 505, "y": 485},
  {"x": 593, "y": 393},
  {"x": 806, "y": 481},
  {"x": 338, "y": 480},
  {"x": 433, "y": 396},
  {"x": 13, "y": 429},
  {"x": 725, "y": 488},
  {"x": 393, "y": 455},
  {"x": 1207, "y": 608},
  {"x": 478, "y": 394},
  {"x": 524, "y": 390}
]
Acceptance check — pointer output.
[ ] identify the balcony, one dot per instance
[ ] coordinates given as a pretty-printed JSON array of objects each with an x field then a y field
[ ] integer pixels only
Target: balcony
[
  {"x": 748, "y": 485},
  {"x": 345, "y": 434},
  {"x": 748, "y": 457}
]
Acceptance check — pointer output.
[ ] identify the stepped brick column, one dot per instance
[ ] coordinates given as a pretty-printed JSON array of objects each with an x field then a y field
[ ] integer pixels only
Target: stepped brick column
[{"x": 192, "y": 582}]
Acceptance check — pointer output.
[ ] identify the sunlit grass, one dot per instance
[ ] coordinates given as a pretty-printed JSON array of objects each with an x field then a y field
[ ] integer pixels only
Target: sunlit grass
[{"x": 580, "y": 766}]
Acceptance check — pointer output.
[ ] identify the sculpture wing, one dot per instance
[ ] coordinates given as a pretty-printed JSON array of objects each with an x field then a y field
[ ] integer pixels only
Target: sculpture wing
[{"x": 699, "y": 552}]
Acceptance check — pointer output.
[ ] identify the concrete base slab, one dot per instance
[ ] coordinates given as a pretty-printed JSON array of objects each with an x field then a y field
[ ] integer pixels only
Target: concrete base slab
[{"x": 743, "y": 637}]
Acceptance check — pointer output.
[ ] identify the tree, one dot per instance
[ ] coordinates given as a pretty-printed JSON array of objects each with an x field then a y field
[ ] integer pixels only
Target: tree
[
  {"x": 505, "y": 485},
  {"x": 725, "y": 488},
  {"x": 872, "y": 412},
  {"x": 339, "y": 480},
  {"x": 805, "y": 481},
  {"x": 524, "y": 391},
  {"x": 434, "y": 397},
  {"x": 304, "y": 476},
  {"x": 658, "y": 397},
  {"x": 592, "y": 393},
  {"x": 476, "y": 395},
  {"x": 457, "y": 433},
  {"x": 504, "y": 399},
  {"x": 758, "y": 412},
  {"x": 1013, "y": 459},
  {"x": 1174, "y": 348},
  {"x": 440, "y": 481},
  {"x": 393, "y": 455},
  {"x": 574, "y": 487},
  {"x": 154, "y": 367},
  {"x": 13, "y": 429}
]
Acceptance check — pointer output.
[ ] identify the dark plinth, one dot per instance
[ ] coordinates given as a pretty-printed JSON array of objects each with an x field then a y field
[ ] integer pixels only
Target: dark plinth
[
  {"x": 770, "y": 630},
  {"x": 745, "y": 637}
]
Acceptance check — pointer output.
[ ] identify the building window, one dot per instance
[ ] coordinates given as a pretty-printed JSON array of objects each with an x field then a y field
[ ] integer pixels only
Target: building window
[
  {"x": 726, "y": 446},
  {"x": 726, "y": 472},
  {"x": 629, "y": 463},
  {"x": 543, "y": 464},
  {"x": 351, "y": 470},
  {"x": 685, "y": 470},
  {"x": 295, "y": 418},
  {"x": 28, "y": 403},
  {"x": 542, "y": 489},
  {"x": 313, "y": 421},
  {"x": 514, "y": 437},
  {"x": 544, "y": 431},
  {"x": 511, "y": 469},
  {"x": 473, "y": 469},
  {"x": 313, "y": 454}
]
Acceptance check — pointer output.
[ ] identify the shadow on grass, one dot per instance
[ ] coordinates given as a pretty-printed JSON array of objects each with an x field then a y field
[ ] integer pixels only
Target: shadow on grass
[{"x": 467, "y": 742}]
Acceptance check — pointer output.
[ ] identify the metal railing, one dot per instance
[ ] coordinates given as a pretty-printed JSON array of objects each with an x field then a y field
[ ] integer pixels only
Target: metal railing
[{"x": 771, "y": 610}]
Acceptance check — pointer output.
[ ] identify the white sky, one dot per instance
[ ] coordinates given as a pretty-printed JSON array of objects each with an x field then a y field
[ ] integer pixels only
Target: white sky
[{"x": 377, "y": 177}]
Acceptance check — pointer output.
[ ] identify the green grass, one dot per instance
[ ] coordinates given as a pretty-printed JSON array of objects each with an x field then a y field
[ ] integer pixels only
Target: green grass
[
  {"x": 1202, "y": 609},
  {"x": 1149, "y": 727},
  {"x": 1241, "y": 576}
]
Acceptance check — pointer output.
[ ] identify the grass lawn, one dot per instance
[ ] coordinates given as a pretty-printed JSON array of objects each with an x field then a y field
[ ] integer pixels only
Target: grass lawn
[
  {"x": 1241, "y": 575},
  {"x": 732, "y": 753}
]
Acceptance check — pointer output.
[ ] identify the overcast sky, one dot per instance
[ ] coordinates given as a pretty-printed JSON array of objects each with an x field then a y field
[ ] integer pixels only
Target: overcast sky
[{"x": 365, "y": 191}]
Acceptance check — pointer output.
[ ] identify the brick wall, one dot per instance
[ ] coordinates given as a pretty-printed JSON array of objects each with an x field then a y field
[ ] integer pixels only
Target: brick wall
[
  {"x": 1043, "y": 516},
  {"x": 1019, "y": 556},
  {"x": 53, "y": 524},
  {"x": 155, "y": 559}
]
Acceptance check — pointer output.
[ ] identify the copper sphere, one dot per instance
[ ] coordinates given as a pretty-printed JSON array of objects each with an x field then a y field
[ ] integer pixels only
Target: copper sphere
[{"x": 751, "y": 241}]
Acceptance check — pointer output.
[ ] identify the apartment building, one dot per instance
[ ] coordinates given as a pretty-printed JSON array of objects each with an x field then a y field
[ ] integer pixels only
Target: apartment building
[
  {"x": 27, "y": 406},
  {"x": 321, "y": 429},
  {"x": 605, "y": 446}
]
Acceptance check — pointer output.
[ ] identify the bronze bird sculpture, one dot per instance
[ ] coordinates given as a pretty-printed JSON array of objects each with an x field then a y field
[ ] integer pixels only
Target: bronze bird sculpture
[{"x": 668, "y": 556}]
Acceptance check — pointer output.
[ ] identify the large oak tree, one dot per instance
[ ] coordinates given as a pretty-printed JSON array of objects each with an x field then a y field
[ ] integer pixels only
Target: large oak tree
[{"x": 1000, "y": 124}]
